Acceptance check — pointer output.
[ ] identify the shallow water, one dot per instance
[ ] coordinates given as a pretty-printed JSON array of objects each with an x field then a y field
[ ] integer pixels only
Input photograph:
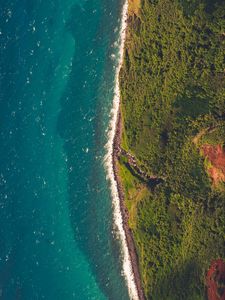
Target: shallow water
[{"x": 56, "y": 89}]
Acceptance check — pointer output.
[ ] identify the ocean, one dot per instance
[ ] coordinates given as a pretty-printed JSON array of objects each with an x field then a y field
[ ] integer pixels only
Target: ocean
[{"x": 57, "y": 79}]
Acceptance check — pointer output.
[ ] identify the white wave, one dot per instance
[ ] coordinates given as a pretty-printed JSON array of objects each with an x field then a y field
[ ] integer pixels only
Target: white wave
[{"x": 117, "y": 215}]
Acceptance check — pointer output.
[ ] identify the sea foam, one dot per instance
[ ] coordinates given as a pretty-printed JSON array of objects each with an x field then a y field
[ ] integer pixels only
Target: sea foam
[{"x": 117, "y": 214}]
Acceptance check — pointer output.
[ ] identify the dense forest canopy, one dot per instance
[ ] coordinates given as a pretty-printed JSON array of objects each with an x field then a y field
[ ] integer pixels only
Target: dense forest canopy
[{"x": 173, "y": 110}]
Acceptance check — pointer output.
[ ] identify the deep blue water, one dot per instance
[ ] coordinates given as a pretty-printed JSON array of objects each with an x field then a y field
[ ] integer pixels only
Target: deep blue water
[{"x": 56, "y": 88}]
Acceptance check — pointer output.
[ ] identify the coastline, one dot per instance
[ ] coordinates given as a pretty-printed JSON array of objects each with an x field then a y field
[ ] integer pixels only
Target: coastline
[
  {"x": 124, "y": 211},
  {"x": 186, "y": 178},
  {"x": 120, "y": 213}
]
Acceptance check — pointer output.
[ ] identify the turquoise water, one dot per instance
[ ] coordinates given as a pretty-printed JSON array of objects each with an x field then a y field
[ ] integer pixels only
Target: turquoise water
[{"x": 56, "y": 88}]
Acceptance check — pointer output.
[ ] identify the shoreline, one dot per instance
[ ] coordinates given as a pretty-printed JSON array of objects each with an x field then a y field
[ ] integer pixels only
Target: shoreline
[
  {"x": 125, "y": 215},
  {"x": 120, "y": 213}
]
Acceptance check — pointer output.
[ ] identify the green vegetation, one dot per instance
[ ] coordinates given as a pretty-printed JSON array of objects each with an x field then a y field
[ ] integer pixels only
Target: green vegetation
[
  {"x": 173, "y": 101},
  {"x": 213, "y": 137}
]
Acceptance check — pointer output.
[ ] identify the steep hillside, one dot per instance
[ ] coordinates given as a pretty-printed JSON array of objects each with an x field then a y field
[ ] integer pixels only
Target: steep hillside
[{"x": 173, "y": 113}]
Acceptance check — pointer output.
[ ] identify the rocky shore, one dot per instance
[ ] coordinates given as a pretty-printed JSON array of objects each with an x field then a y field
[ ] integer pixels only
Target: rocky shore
[{"x": 124, "y": 211}]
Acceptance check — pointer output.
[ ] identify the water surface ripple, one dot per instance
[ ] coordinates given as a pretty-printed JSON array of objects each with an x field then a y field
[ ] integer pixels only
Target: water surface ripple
[{"x": 57, "y": 70}]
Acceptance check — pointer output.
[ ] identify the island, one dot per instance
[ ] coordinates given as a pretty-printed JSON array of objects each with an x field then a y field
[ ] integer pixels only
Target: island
[{"x": 169, "y": 155}]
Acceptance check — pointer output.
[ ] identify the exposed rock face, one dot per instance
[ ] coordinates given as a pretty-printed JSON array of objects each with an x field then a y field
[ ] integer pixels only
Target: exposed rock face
[
  {"x": 216, "y": 156},
  {"x": 216, "y": 280}
]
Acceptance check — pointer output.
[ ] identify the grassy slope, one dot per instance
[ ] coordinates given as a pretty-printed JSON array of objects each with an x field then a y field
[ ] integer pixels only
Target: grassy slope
[{"x": 172, "y": 90}]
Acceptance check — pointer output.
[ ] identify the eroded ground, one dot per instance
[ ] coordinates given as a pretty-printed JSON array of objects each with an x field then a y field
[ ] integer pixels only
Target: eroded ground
[
  {"x": 216, "y": 280},
  {"x": 215, "y": 155}
]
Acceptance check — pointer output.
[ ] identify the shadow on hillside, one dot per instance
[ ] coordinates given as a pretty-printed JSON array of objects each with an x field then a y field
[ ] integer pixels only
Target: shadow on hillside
[{"x": 182, "y": 284}]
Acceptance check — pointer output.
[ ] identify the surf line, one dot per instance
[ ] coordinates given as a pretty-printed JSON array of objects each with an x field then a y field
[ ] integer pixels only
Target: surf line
[{"x": 109, "y": 164}]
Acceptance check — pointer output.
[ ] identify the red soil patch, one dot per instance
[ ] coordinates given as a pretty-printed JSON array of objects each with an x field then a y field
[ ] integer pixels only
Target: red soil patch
[
  {"x": 215, "y": 280},
  {"x": 216, "y": 156}
]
